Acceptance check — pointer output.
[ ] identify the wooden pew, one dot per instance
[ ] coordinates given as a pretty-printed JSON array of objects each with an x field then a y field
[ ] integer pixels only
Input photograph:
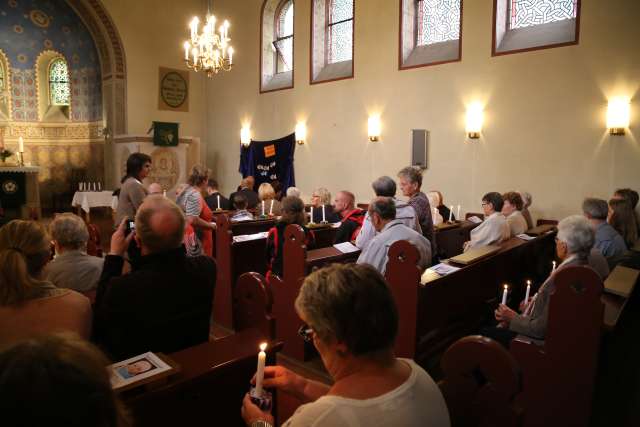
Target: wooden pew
[
  {"x": 451, "y": 239},
  {"x": 434, "y": 315},
  {"x": 253, "y": 305},
  {"x": 298, "y": 262},
  {"x": 559, "y": 376},
  {"x": 209, "y": 388},
  {"x": 236, "y": 258},
  {"x": 480, "y": 384}
]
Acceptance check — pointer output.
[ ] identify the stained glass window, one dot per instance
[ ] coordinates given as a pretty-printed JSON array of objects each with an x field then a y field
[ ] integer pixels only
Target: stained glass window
[
  {"x": 59, "y": 91},
  {"x": 438, "y": 21},
  {"x": 284, "y": 38},
  {"x": 340, "y": 34},
  {"x": 526, "y": 13}
]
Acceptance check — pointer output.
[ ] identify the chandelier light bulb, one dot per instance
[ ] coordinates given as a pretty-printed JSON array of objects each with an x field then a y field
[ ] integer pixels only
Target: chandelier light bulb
[{"x": 207, "y": 51}]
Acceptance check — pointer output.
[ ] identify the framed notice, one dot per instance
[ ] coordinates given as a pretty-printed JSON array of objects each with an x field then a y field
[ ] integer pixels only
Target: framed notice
[
  {"x": 174, "y": 90},
  {"x": 142, "y": 369}
]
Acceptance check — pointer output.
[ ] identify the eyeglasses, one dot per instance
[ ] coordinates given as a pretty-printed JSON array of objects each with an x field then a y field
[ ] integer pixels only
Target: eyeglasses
[
  {"x": 306, "y": 332},
  {"x": 485, "y": 204}
]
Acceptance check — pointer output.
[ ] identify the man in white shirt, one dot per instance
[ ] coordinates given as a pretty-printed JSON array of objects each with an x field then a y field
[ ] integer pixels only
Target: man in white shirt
[
  {"x": 382, "y": 212},
  {"x": 494, "y": 228},
  {"x": 386, "y": 187}
]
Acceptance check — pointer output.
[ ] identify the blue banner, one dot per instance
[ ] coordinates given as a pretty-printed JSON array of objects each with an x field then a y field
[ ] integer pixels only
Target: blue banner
[{"x": 270, "y": 160}]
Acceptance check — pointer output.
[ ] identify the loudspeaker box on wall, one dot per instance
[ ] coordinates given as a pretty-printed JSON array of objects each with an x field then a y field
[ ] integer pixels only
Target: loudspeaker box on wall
[{"x": 419, "y": 144}]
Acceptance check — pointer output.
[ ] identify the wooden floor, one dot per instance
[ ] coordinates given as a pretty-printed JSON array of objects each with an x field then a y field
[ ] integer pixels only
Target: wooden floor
[{"x": 617, "y": 397}]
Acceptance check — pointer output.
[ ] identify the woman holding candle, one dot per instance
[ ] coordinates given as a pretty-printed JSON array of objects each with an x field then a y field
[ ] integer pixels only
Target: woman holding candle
[
  {"x": 292, "y": 213},
  {"x": 355, "y": 341},
  {"x": 321, "y": 200},
  {"x": 198, "y": 237},
  {"x": 573, "y": 246},
  {"x": 268, "y": 202}
]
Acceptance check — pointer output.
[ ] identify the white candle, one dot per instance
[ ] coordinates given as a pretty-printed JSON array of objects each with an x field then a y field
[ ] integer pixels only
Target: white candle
[
  {"x": 99, "y": 186},
  {"x": 263, "y": 208},
  {"x": 230, "y": 52},
  {"x": 311, "y": 215},
  {"x": 80, "y": 186},
  {"x": 271, "y": 208},
  {"x": 434, "y": 215},
  {"x": 458, "y": 215},
  {"x": 186, "y": 51},
  {"x": 504, "y": 295},
  {"x": 262, "y": 358},
  {"x": 324, "y": 219},
  {"x": 526, "y": 295},
  {"x": 21, "y": 145},
  {"x": 553, "y": 266},
  {"x": 218, "y": 201},
  {"x": 450, "y": 212}
]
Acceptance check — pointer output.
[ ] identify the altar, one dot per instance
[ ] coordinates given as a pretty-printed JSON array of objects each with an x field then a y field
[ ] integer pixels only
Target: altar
[{"x": 19, "y": 190}]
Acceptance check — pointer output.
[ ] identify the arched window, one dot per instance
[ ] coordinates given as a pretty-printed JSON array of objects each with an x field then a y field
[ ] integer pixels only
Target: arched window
[
  {"x": 430, "y": 32},
  {"x": 283, "y": 43},
  {"x": 332, "y": 24},
  {"x": 276, "y": 40},
  {"x": 59, "y": 91},
  {"x": 522, "y": 25}
]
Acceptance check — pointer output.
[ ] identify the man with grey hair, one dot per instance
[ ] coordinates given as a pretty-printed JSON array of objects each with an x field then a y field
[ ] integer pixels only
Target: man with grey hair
[
  {"x": 573, "y": 246},
  {"x": 386, "y": 187},
  {"x": 164, "y": 303},
  {"x": 294, "y": 192},
  {"x": 382, "y": 212},
  {"x": 607, "y": 240},
  {"x": 410, "y": 179},
  {"x": 72, "y": 267}
]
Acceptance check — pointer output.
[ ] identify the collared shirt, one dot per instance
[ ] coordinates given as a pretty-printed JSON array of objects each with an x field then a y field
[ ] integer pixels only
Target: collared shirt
[
  {"x": 609, "y": 242},
  {"x": 404, "y": 212},
  {"x": 492, "y": 230},
  {"x": 376, "y": 252},
  {"x": 74, "y": 269}
]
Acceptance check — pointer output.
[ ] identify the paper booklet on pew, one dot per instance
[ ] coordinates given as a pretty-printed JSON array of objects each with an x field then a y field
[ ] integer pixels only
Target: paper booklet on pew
[
  {"x": 437, "y": 271},
  {"x": 346, "y": 247},
  {"x": 142, "y": 369},
  {"x": 247, "y": 237},
  {"x": 474, "y": 219},
  {"x": 525, "y": 237}
]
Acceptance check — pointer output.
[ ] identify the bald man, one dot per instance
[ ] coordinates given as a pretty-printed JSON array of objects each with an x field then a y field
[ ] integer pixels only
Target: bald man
[
  {"x": 351, "y": 218},
  {"x": 246, "y": 189},
  {"x": 164, "y": 303}
]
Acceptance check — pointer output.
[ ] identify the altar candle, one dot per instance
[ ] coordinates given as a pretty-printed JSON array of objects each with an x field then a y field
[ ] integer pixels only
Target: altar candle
[
  {"x": 324, "y": 219},
  {"x": 218, "y": 202},
  {"x": 262, "y": 358},
  {"x": 526, "y": 295},
  {"x": 164, "y": 193},
  {"x": 99, "y": 186},
  {"x": 311, "y": 215},
  {"x": 458, "y": 215},
  {"x": 263, "y": 208},
  {"x": 504, "y": 294},
  {"x": 450, "y": 212},
  {"x": 21, "y": 145},
  {"x": 553, "y": 266},
  {"x": 271, "y": 208}
]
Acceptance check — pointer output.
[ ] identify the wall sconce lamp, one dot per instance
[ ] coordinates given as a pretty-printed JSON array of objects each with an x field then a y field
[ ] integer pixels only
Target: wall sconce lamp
[
  {"x": 618, "y": 112},
  {"x": 474, "y": 120},
  {"x": 301, "y": 133},
  {"x": 245, "y": 136},
  {"x": 374, "y": 128}
]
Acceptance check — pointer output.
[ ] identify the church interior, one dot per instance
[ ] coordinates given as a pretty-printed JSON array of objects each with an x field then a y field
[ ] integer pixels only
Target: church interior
[{"x": 319, "y": 212}]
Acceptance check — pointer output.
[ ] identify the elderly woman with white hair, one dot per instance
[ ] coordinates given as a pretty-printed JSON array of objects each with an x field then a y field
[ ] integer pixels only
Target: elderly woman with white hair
[
  {"x": 72, "y": 267},
  {"x": 319, "y": 198},
  {"x": 574, "y": 244},
  {"x": 371, "y": 386}
]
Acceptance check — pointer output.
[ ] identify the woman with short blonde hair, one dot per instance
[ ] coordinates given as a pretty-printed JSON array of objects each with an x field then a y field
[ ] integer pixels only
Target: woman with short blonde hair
[
  {"x": 26, "y": 299},
  {"x": 267, "y": 194}
]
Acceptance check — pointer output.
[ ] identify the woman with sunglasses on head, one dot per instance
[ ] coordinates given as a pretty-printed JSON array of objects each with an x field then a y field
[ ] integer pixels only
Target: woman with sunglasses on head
[{"x": 355, "y": 341}]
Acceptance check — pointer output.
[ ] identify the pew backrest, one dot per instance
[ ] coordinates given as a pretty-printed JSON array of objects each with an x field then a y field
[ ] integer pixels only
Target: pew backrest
[
  {"x": 480, "y": 382},
  {"x": 253, "y": 304}
]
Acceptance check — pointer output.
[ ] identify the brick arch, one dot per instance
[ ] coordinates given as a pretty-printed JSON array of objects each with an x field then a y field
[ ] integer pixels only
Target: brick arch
[{"x": 112, "y": 62}]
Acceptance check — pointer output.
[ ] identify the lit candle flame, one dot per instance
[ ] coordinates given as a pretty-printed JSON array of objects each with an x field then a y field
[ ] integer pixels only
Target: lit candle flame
[
  {"x": 528, "y": 282},
  {"x": 506, "y": 287},
  {"x": 263, "y": 346}
]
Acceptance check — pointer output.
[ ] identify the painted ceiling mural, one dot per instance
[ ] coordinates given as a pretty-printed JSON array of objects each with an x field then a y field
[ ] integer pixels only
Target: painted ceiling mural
[{"x": 29, "y": 27}]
